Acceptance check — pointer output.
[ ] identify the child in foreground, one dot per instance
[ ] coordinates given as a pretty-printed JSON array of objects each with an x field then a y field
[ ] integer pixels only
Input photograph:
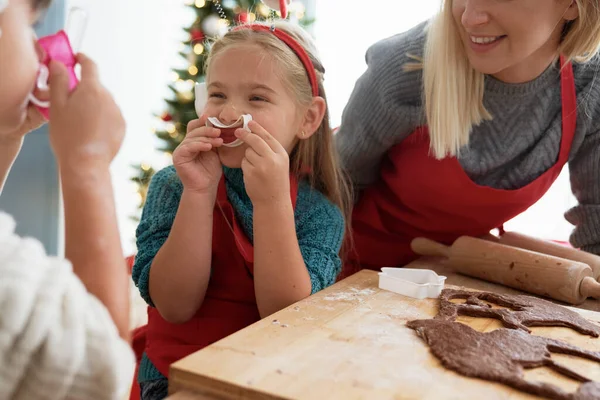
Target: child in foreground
[
  {"x": 230, "y": 235},
  {"x": 63, "y": 326}
]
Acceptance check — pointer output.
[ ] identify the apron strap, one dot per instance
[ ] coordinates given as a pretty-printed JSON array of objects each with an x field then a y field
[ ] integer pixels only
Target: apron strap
[
  {"x": 568, "y": 112},
  {"x": 569, "y": 108}
]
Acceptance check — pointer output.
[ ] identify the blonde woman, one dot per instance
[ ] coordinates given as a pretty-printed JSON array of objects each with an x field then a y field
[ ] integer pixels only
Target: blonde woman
[{"x": 464, "y": 122}]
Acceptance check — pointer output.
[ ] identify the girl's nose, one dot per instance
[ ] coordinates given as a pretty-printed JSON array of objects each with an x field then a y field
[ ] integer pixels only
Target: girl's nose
[{"x": 229, "y": 113}]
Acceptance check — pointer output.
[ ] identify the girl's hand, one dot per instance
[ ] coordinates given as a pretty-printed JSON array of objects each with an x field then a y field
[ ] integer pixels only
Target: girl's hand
[
  {"x": 196, "y": 160},
  {"x": 266, "y": 166}
]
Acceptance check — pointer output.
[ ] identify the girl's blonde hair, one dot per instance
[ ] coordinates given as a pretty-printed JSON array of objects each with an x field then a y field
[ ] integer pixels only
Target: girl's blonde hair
[
  {"x": 453, "y": 90},
  {"x": 315, "y": 157}
]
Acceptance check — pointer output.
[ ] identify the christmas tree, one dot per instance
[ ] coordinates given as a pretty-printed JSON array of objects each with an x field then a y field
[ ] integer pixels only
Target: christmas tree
[{"x": 213, "y": 19}]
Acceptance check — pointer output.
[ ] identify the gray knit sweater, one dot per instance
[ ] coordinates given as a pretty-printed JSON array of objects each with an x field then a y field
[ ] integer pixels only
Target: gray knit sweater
[{"x": 517, "y": 146}]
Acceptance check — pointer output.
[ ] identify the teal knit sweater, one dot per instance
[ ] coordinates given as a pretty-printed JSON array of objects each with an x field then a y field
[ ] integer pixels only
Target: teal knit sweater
[{"x": 319, "y": 227}]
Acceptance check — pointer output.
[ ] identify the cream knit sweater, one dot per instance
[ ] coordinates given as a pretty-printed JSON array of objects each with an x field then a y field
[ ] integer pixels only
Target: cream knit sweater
[{"x": 56, "y": 340}]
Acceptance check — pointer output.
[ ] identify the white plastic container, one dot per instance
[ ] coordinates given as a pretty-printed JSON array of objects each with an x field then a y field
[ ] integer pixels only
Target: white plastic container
[{"x": 416, "y": 283}]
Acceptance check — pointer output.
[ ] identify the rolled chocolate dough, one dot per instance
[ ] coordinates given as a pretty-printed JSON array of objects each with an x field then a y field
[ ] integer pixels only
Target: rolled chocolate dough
[
  {"x": 522, "y": 311},
  {"x": 502, "y": 355}
]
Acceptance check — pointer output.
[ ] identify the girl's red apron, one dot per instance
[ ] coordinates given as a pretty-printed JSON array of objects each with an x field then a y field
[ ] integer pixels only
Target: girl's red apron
[
  {"x": 419, "y": 196},
  {"x": 229, "y": 304}
]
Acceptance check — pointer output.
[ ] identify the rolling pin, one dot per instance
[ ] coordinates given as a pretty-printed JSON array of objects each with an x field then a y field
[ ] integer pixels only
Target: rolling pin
[
  {"x": 558, "y": 278},
  {"x": 519, "y": 240}
]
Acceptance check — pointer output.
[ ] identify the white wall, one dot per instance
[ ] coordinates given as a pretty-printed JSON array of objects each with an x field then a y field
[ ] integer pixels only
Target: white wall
[{"x": 136, "y": 43}]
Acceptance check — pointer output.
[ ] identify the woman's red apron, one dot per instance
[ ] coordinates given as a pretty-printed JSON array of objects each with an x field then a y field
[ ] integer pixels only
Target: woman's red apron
[
  {"x": 229, "y": 304},
  {"x": 419, "y": 196}
]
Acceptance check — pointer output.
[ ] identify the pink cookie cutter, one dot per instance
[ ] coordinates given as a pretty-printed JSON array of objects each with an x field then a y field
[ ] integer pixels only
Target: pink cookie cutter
[{"x": 57, "y": 47}]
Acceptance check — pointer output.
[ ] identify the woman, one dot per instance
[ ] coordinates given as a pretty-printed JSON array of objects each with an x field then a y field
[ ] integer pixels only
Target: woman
[{"x": 460, "y": 124}]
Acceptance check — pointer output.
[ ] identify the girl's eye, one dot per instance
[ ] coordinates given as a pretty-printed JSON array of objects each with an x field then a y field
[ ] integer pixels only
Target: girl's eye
[
  {"x": 217, "y": 95},
  {"x": 257, "y": 98}
]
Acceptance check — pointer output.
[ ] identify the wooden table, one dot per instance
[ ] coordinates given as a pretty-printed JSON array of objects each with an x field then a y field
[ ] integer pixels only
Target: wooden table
[{"x": 349, "y": 342}]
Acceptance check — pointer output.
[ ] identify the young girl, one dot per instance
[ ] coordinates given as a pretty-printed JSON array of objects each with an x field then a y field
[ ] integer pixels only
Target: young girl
[
  {"x": 506, "y": 95},
  {"x": 63, "y": 326},
  {"x": 231, "y": 235}
]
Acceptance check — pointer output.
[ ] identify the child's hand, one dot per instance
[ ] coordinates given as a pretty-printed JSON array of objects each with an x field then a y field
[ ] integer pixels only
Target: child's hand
[
  {"x": 86, "y": 127},
  {"x": 195, "y": 160},
  {"x": 33, "y": 120},
  {"x": 266, "y": 166}
]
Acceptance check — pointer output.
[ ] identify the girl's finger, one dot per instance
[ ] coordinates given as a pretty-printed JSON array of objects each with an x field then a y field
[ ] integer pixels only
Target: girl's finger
[
  {"x": 246, "y": 166},
  {"x": 214, "y": 141},
  {"x": 204, "y": 131},
  {"x": 252, "y": 157},
  {"x": 254, "y": 141},
  {"x": 192, "y": 149},
  {"x": 194, "y": 124}
]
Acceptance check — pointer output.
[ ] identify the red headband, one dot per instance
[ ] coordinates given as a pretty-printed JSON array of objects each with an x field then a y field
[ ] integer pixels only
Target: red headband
[{"x": 296, "y": 48}]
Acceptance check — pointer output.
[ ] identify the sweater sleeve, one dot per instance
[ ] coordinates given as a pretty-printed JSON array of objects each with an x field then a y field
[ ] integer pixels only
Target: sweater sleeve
[
  {"x": 584, "y": 170},
  {"x": 384, "y": 107},
  {"x": 162, "y": 201},
  {"x": 320, "y": 229},
  {"x": 57, "y": 341}
]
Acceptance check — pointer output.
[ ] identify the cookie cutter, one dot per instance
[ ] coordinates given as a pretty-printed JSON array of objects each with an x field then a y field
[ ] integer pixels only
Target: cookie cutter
[
  {"x": 416, "y": 283},
  {"x": 201, "y": 97},
  {"x": 242, "y": 122},
  {"x": 61, "y": 47}
]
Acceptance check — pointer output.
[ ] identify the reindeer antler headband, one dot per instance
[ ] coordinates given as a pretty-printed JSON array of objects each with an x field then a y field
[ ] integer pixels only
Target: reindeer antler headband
[{"x": 280, "y": 5}]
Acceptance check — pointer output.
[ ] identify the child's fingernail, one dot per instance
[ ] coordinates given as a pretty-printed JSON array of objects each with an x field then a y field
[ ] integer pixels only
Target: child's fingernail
[{"x": 239, "y": 132}]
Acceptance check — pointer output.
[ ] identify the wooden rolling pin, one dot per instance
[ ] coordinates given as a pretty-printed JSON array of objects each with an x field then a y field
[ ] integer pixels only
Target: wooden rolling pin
[
  {"x": 519, "y": 240},
  {"x": 542, "y": 274}
]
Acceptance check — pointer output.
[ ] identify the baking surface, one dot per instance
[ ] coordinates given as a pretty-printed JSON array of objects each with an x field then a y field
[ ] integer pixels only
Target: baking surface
[{"x": 350, "y": 342}]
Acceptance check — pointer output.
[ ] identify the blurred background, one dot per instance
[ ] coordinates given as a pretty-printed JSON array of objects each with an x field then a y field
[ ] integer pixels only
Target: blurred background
[{"x": 137, "y": 46}]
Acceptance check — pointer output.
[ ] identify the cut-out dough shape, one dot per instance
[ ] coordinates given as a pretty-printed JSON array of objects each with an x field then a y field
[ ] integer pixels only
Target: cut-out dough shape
[
  {"x": 523, "y": 311},
  {"x": 502, "y": 355}
]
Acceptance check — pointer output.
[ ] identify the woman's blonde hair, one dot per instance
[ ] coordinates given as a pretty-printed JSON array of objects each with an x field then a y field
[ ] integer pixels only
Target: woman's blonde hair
[
  {"x": 453, "y": 90},
  {"x": 315, "y": 157}
]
